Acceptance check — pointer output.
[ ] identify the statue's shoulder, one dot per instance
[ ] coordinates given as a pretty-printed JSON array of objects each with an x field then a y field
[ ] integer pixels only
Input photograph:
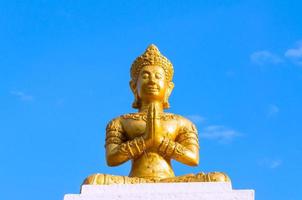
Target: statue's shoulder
[
  {"x": 114, "y": 124},
  {"x": 115, "y": 120},
  {"x": 184, "y": 123}
]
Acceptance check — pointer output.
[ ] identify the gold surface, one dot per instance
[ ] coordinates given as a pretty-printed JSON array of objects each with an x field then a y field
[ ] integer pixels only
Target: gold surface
[{"x": 151, "y": 138}]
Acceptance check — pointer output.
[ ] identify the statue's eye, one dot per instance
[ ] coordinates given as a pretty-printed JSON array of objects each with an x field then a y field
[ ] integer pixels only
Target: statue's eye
[
  {"x": 158, "y": 76},
  {"x": 145, "y": 76}
]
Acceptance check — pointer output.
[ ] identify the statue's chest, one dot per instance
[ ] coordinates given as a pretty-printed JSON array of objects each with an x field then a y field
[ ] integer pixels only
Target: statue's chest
[{"x": 135, "y": 128}]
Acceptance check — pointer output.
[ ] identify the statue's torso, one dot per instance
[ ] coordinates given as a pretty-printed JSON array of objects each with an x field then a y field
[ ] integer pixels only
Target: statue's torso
[{"x": 150, "y": 164}]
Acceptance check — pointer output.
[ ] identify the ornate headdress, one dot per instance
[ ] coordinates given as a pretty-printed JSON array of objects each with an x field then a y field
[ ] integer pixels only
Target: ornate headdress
[{"x": 152, "y": 56}]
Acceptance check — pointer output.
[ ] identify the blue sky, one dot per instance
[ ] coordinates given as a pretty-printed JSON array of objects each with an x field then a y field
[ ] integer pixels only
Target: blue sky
[{"x": 64, "y": 71}]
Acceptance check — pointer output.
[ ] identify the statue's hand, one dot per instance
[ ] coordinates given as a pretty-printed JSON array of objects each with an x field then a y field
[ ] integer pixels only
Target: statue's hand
[{"x": 153, "y": 127}]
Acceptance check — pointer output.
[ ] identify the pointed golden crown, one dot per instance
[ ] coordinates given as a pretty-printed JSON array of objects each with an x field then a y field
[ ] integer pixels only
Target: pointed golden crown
[{"x": 152, "y": 56}]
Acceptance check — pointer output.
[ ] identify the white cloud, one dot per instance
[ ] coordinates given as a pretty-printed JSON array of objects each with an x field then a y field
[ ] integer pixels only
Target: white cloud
[
  {"x": 275, "y": 163},
  {"x": 273, "y": 110},
  {"x": 219, "y": 133},
  {"x": 270, "y": 163},
  {"x": 295, "y": 54},
  {"x": 197, "y": 119},
  {"x": 264, "y": 58},
  {"x": 22, "y": 96}
]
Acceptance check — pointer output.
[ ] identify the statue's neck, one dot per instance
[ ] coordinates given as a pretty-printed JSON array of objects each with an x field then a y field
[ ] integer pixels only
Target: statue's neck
[{"x": 145, "y": 106}]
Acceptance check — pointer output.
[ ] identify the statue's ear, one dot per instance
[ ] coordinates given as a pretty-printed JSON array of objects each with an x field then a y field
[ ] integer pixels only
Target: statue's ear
[
  {"x": 170, "y": 88},
  {"x": 136, "y": 103},
  {"x": 132, "y": 86}
]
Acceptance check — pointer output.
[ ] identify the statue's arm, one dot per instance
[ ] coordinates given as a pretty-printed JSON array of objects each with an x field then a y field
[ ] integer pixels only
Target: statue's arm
[
  {"x": 185, "y": 148},
  {"x": 118, "y": 148}
]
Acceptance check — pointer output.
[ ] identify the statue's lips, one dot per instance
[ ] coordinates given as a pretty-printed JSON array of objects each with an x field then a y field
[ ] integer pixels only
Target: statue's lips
[{"x": 152, "y": 89}]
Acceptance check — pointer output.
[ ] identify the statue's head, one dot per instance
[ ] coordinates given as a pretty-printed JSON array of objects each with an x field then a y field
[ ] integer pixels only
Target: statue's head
[{"x": 151, "y": 78}]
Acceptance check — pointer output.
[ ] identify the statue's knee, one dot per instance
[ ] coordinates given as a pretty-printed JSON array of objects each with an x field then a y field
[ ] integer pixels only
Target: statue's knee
[
  {"x": 218, "y": 177},
  {"x": 93, "y": 179}
]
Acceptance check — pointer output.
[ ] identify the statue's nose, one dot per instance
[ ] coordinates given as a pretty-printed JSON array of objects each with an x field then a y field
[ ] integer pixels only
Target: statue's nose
[{"x": 152, "y": 80}]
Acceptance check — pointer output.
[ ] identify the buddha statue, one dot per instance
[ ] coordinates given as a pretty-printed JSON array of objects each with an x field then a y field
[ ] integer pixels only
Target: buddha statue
[{"x": 151, "y": 138}]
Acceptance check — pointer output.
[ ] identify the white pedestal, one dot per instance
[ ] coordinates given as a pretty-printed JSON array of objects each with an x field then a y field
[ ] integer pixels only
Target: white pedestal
[{"x": 162, "y": 191}]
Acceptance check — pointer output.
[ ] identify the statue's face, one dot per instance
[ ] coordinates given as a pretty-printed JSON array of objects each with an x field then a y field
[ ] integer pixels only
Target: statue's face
[{"x": 151, "y": 84}]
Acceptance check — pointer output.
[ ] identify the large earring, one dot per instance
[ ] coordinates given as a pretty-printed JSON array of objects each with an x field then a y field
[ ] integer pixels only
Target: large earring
[
  {"x": 136, "y": 103},
  {"x": 166, "y": 103}
]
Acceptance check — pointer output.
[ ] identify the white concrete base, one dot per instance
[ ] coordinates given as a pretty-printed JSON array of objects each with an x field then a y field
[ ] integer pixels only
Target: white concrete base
[{"x": 162, "y": 191}]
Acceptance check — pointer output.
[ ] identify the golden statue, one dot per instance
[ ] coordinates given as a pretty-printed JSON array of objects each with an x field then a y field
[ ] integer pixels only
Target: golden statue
[{"x": 150, "y": 138}]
